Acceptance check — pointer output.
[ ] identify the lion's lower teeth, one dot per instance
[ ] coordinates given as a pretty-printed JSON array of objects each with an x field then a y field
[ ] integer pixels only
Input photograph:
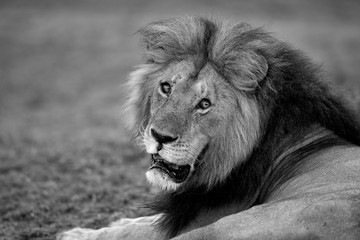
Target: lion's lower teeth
[{"x": 177, "y": 172}]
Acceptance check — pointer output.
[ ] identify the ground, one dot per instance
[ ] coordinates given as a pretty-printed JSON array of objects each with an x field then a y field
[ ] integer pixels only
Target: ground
[{"x": 66, "y": 159}]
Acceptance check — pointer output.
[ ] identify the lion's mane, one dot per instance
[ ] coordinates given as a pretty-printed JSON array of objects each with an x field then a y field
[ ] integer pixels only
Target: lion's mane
[{"x": 283, "y": 82}]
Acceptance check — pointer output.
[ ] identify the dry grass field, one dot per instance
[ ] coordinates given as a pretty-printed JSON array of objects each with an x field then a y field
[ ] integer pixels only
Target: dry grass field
[{"x": 66, "y": 159}]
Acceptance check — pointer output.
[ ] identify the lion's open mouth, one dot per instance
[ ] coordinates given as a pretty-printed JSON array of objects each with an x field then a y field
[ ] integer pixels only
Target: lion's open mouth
[{"x": 178, "y": 173}]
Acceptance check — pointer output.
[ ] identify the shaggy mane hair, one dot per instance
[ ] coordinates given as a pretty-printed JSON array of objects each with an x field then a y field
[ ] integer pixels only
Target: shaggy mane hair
[{"x": 284, "y": 83}]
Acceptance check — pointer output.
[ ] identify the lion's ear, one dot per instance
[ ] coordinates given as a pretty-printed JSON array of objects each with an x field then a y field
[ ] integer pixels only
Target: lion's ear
[
  {"x": 245, "y": 68},
  {"x": 254, "y": 66}
]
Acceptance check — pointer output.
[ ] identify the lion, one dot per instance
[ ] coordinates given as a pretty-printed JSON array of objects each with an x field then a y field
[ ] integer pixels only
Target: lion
[{"x": 245, "y": 139}]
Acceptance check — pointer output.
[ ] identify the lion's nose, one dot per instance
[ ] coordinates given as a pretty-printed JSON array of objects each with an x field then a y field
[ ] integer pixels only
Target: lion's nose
[{"x": 162, "y": 138}]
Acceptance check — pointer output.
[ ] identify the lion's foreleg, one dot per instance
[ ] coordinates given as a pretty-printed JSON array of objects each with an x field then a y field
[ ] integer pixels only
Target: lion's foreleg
[
  {"x": 124, "y": 229},
  {"x": 128, "y": 232}
]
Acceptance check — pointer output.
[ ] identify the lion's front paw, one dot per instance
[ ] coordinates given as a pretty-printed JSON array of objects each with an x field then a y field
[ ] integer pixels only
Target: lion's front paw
[{"x": 76, "y": 234}]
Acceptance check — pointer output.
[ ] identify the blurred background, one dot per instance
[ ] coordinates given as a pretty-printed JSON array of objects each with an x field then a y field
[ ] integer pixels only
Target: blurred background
[{"x": 66, "y": 159}]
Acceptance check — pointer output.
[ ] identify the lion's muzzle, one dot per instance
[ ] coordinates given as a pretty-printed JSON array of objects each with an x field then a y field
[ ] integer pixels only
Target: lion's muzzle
[{"x": 162, "y": 138}]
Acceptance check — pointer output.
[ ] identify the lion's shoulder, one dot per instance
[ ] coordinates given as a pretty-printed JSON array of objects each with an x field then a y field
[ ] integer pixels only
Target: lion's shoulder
[{"x": 332, "y": 171}]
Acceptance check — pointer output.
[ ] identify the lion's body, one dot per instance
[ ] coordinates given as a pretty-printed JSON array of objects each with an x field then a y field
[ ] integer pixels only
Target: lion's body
[{"x": 245, "y": 140}]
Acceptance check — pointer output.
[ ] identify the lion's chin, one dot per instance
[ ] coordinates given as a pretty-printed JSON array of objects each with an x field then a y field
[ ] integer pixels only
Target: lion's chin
[{"x": 160, "y": 179}]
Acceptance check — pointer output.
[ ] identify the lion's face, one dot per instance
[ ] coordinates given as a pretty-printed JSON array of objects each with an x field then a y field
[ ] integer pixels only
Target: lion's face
[
  {"x": 195, "y": 124},
  {"x": 192, "y": 104}
]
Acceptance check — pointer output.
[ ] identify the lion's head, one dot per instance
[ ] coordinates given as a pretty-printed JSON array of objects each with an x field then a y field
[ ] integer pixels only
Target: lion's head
[{"x": 192, "y": 103}]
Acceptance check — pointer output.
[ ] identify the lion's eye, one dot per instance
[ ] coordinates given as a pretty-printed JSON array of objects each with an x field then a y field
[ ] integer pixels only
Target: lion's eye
[
  {"x": 165, "y": 88},
  {"x": 204, "y": 104}
]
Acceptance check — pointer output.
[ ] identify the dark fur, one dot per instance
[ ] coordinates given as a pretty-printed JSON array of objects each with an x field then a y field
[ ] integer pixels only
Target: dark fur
[{"x": 285, "y": 84}]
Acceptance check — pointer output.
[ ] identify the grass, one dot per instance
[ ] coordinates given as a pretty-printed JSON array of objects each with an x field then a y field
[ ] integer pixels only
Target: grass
[{"x": 66, "y": 159}]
